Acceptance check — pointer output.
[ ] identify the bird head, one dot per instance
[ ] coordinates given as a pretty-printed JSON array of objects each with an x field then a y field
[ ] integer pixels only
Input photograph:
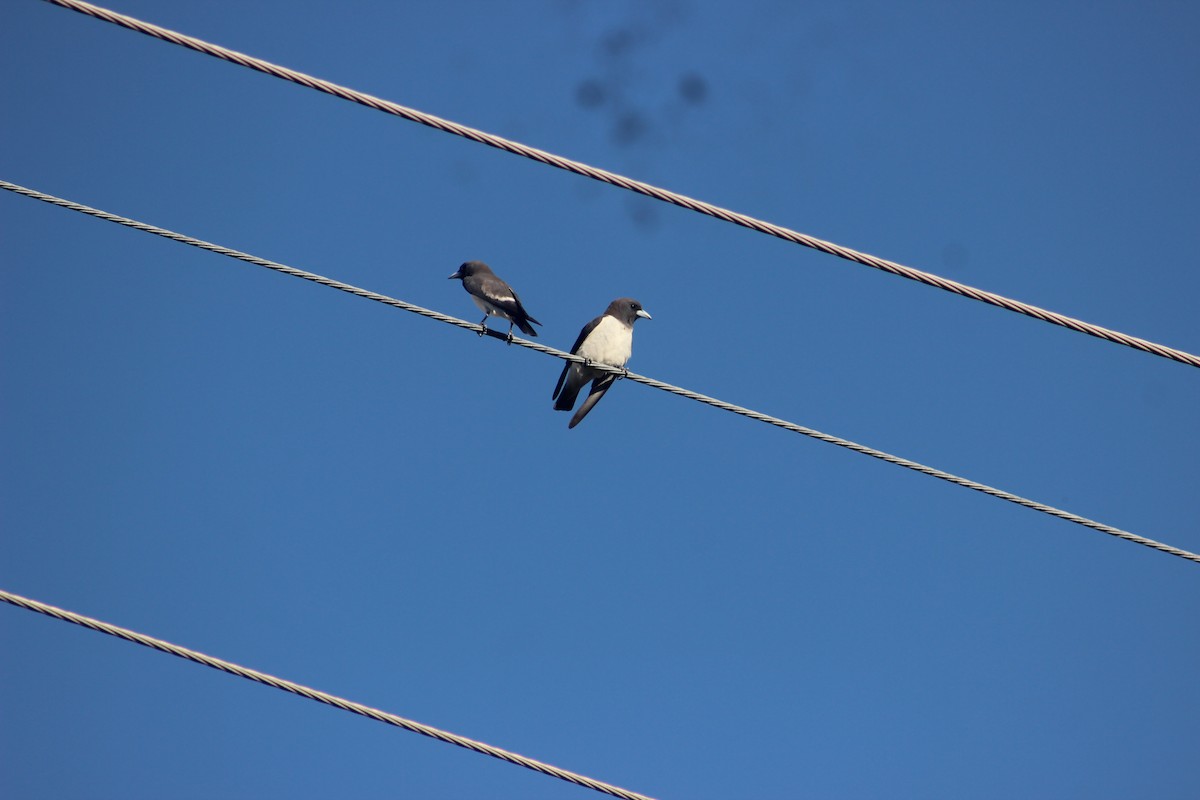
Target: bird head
[
  {"x": 470, "y": 268},
  {"x": 627, "y": 310}
]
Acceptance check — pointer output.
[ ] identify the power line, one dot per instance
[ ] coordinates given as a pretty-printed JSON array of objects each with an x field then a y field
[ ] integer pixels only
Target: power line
[
  {"x": 666, "y": 387},
  {"x": 632, "y": 185},
  {"x": 319, "y": 696}
]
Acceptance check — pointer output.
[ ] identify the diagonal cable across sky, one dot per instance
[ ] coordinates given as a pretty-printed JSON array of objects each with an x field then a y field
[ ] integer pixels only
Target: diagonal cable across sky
[
  {"x": 674, "y": 198},
  {"x": 632, "y": 376}
]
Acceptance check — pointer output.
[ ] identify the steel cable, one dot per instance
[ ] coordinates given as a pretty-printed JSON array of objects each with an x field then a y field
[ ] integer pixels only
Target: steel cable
[
  {"x": 632, "y": 185},
  {"x": 666, "y": 387},
  {"x": 319, "y": 696}
]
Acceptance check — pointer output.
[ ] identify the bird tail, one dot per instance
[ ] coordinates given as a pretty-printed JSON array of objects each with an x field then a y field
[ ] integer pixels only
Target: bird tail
[
  {"x": 526, "y": 328},
  {"x": 565, "y": 401},
  {"x": 599, "y": 387}
]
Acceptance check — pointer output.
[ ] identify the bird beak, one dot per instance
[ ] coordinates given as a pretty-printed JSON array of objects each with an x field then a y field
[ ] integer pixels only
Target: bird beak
[
  {"x": 457, "y": 274},
  {"x": 642, "y": 313}
]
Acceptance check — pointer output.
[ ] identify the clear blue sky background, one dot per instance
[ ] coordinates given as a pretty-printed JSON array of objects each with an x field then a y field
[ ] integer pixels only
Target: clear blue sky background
[{"x": 669, "y": 598}]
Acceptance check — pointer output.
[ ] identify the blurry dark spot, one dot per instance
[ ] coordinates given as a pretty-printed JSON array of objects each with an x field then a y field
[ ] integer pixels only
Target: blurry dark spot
[
  {"x": 629, "y": 128},
  {"x": 955, "y": 255},
  {"x": 643, "y": 214},
  {"x": 590, "y": 94},
  {"x": 618, "y": 41},
  {"x": 693, "y": 89}
]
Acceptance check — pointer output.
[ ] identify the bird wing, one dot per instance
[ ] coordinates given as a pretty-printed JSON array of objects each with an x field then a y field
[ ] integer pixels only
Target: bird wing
[
  {"x": 583, "y": 334},
  {"x": 521, "y": 307},
  {"x": 490, "y": 288},
  {"x": 497, "y": 292}
]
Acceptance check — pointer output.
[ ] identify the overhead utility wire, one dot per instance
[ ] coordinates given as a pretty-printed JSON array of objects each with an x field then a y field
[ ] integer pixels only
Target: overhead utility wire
[
  {"x": 319, "y": 696},
  {"x": 632, "y": 185},
  {"x": 666, "y": 387}
]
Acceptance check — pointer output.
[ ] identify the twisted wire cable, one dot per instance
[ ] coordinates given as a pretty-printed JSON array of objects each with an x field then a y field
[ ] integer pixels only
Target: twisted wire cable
[
  {"x": 666, "y": 387},
  {"x": 319, "y": 696},
  {"x": 630, "y": 184}
]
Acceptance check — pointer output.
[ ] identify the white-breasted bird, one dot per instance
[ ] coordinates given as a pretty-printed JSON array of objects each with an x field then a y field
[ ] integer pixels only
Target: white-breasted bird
[{"x": 608, "y": 339}]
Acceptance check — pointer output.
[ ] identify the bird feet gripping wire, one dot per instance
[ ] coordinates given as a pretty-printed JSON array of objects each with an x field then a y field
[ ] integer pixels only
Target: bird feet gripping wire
[{"x": 623, "y": 373}]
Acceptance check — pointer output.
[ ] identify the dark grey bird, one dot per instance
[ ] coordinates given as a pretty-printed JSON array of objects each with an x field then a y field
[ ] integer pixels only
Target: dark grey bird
[
  {"x": 494, "y": 297},
  {"x": 608, "y": 339}
]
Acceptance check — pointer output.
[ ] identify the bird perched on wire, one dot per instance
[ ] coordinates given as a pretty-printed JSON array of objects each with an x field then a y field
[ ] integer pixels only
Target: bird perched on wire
[
  {"x": 494, "y": 297},
  {"x": 608, "y": 339}
]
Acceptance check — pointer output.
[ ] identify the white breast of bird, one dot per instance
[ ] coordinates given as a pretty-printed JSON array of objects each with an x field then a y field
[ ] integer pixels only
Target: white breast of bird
[{"x": 610, "y": 342}]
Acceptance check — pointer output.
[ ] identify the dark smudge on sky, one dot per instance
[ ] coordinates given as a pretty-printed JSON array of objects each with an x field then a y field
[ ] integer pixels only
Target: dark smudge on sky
[{"x": 641, "y": 108}]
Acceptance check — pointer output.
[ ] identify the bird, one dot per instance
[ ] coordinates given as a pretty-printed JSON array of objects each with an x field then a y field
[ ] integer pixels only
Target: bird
[
  {"x": 608, "y": 339},
  {"x": 494, "y": 297}
]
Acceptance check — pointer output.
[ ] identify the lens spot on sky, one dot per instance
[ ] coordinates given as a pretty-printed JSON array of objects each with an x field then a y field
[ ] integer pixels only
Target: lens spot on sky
[
  {"x": 618, "y": 41},
  {"x": 693, "y": 89},
  {"x": 643, "y": 213},
  {"x": 590, "y": 93},
  {"x": 630, "y": 127}
]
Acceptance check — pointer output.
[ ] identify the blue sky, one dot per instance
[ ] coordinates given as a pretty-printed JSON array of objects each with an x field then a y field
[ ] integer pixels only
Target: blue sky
[{"x": 668, "y": 598}]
